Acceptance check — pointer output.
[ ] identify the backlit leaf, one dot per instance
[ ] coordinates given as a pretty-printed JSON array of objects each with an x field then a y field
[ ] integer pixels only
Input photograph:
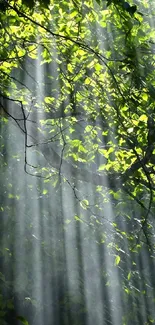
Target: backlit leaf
[{"x": 117, "y": 260}]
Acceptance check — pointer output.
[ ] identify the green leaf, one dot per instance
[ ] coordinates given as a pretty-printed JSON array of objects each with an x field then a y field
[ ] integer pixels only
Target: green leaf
[
  {"x": 45, "y": 191},
  {"x": 117, "y": 260},
  {"x": 143, "y": 118},
  {"x": 49, "y": 100},
  {"x": 98, "y": 67},
  {"x": 129, "y": 275},
  {"x": 101, "y": 167},
  {"x": 84, "y": 204},
  {"x": 78, "y": 219},
  {"x": 73, "y": 14},
  {"x": 145, "y": 97},
  {"x": 127, "y": 291}
]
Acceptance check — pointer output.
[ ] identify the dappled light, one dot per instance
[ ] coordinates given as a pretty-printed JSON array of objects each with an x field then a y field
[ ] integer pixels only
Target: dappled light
[{"x": 77, "y": 150}]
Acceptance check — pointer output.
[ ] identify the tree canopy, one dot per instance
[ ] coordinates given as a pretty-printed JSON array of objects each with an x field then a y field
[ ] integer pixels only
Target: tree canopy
[{"x": 77, "y": 83}]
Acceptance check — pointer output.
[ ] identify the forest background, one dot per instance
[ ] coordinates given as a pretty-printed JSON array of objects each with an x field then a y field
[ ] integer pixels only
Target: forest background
[{"x": 77, "y": 110}]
